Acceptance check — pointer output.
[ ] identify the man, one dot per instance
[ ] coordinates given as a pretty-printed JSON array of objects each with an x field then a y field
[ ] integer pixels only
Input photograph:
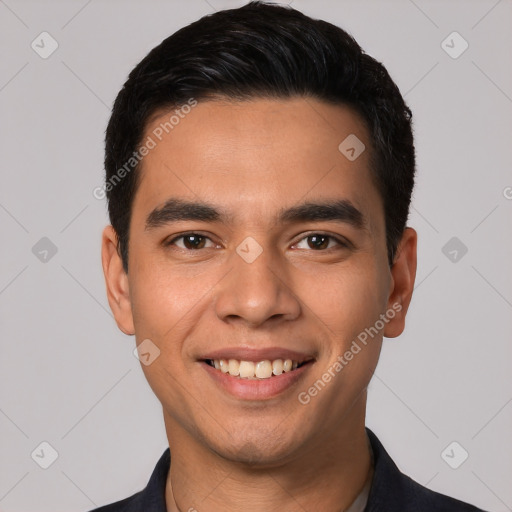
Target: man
[{"x": 259, "y": 174}]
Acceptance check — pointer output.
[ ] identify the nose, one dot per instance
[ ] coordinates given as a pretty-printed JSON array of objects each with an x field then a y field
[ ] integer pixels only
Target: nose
[{"x": 255, "y": 292}]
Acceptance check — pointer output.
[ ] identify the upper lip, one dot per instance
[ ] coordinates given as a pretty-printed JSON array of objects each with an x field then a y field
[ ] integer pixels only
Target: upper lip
[{"x": 260, "y": 354}]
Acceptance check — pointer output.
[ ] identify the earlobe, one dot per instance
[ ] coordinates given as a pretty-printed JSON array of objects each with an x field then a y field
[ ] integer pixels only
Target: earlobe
[
  {"x": 116, "y": 281},
  {"x": 403, "y": 274}
]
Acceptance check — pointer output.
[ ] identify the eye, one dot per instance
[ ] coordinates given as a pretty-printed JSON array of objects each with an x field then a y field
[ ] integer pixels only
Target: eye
[
  {"x": 191, "y": 241},
  {"x": 321, "y": 241},
  {"x": 315, "y": 241}
]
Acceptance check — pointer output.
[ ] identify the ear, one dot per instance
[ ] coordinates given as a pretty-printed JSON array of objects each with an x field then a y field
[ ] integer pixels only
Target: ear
[
  {"x": 403, "y": 273},
  {"x": 116, "y": 280}
]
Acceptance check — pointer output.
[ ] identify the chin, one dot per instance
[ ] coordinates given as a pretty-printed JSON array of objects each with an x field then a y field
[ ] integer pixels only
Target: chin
[{"x": 256, "y": 448}]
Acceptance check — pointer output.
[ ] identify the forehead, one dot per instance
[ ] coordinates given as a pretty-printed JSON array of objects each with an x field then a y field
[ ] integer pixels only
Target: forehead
[{"x": 257, "y": 156}]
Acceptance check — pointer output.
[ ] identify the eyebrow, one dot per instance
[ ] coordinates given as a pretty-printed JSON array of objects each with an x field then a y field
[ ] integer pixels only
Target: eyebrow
[{"x": 174, "y": 210}]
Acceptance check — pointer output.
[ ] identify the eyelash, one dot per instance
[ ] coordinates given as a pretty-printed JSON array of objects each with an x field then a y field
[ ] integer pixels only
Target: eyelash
[{"x": 342, "y": 244}]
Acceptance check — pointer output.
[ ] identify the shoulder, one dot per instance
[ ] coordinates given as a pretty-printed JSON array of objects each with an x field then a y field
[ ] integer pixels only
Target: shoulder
[
  {"x": 131, "y": 504},
  {"x": 392, "y": 490},
  {"x": 151, "y": 498},
  {"x": 421, "y": 499}
]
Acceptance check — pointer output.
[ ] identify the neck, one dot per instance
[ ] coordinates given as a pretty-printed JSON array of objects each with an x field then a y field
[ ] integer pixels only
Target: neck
[{"x": 327, "y": 474}]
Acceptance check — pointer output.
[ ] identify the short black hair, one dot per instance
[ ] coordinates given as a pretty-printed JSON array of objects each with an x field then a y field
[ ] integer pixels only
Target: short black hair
[{"x": 268, "y": 51}]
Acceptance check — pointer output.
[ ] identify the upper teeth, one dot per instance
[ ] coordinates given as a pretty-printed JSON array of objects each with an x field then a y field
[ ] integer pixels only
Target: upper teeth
[{"x": 250, "y": 370}]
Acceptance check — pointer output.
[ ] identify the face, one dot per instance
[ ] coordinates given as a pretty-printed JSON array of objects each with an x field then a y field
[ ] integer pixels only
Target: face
[{"x": 282, "y": 257}]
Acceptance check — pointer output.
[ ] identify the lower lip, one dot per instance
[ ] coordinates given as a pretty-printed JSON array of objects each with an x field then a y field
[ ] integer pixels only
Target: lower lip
[{"x": 256, "y": 389}]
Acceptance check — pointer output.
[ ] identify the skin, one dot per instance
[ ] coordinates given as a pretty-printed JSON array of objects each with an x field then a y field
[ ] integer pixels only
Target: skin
[{"x": 254, "y": 158}]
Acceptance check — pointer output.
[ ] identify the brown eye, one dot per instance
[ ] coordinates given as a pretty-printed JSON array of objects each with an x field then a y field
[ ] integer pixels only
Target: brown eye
[
  {"x": 191, "y": 241},
  {"x": 320, "y": 242}
]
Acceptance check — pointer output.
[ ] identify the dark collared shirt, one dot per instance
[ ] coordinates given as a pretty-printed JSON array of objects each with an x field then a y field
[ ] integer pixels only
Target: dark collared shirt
[{"x": 391, "y": 490}]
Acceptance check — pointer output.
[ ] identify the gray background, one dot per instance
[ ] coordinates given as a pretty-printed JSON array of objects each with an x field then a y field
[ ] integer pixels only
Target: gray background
[{"x": 68, "y": 376}]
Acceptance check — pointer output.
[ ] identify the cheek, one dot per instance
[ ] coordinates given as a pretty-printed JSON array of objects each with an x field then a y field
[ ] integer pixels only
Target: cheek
[
  {"x": 169, "y": 303},
  {"x": 166, "y": 305},
  {"x": 161, "y": 298},
  {"x": 347, "y": 299}
]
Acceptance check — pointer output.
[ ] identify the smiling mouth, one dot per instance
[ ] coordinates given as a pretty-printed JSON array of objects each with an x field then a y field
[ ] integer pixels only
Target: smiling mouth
[{"x": 264, "y": 369}]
